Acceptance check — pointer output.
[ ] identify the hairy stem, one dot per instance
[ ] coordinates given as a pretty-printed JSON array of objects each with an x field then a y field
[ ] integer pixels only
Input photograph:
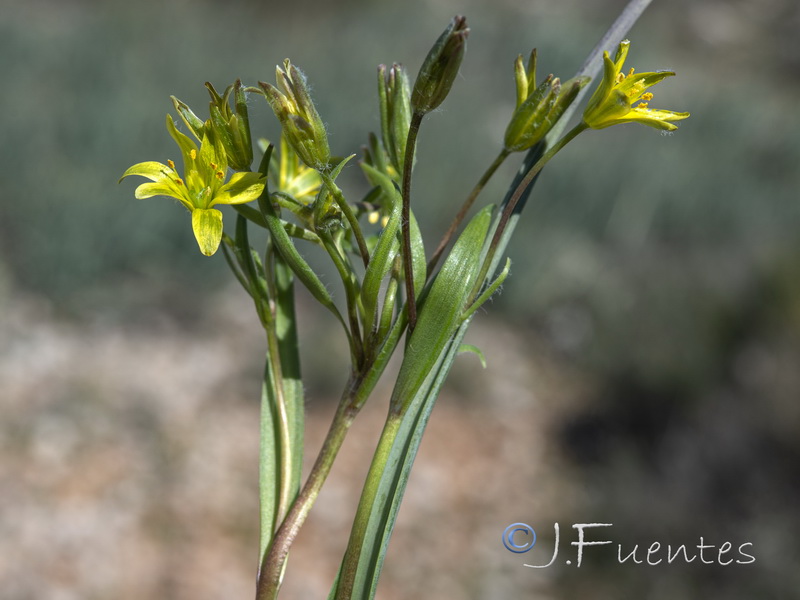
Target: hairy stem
[
  {"x": 351, "y": 293},
  {"x": 341, "y": 202},
  {"x": 512, "y": 203},
  {"x": 462, "y": 213},
  {"x": 408, "y": 270}
]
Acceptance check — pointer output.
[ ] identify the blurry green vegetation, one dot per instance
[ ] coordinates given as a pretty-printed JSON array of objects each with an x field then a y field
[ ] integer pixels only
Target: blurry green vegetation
[
  {"x": 629, "y": 232},
  {"x": 630, "y": 236},
  {"x": 90, "y": 82}
]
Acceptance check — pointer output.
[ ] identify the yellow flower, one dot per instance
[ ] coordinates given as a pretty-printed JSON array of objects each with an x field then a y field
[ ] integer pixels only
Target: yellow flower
[
  {"x": 614, "y": 99},
  {"x": 292, "y": 178},
  {"x": 202, "y": 186}
]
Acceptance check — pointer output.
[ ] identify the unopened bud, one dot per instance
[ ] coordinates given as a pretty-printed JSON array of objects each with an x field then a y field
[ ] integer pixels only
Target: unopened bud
[
  {"x": 538, "y": 108},
  {"x": 302, "y": 125},
  {"x": 393, "y": 92},
  {"x": 440, "y": 68},
  {"x": 230, "y": 126}
]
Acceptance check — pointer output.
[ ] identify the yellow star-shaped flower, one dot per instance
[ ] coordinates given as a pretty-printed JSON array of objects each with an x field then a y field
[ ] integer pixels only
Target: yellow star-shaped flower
[
  {"x": 202, "y": 186},
  {"x": 623, "y": 98}
]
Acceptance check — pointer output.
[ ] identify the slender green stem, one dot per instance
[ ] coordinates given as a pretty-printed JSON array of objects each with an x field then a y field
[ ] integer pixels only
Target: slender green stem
[
  {"x": 351, "y": 293},
  {"x": 462, "y": 213},
  {"x": 405, "y": 223},
  {"x": 341, "y": 201},
  {"x": 271, "y": 572},
  {"x": 512, "y": 203}
]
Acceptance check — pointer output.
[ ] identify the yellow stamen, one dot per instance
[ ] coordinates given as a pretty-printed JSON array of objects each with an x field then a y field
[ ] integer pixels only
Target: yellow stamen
[
  {"x": 213, "y": 166},
  {"x": 620, "y": 77},
  {"x": 641, "y": 105},
  {"x": 220, "y": 175},
  {"x": 171, "y": 164},
  {"x": 373, "y": 217},
  {"x": 179, "y": 181},
  {"x": 630, "y": 73},
  {"x": 193, "y": 154},
  {"x": 647, "y": 97}
]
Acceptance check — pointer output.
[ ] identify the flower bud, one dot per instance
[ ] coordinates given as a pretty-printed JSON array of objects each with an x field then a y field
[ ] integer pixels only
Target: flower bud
[
  {"x": 440, "y": 68},
  {"x": 230, "y": 127},
  {"x": 301, "y": 122},
  {"x": 538, "y": 108},
  {"x": 393, "y": 92}
]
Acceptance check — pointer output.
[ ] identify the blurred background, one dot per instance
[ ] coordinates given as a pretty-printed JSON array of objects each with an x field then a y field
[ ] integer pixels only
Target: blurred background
[{"x": 643, "y": 358}]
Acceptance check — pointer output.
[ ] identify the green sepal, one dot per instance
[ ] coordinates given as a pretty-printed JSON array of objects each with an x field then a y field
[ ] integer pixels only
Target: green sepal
[{"x": 193, "y": 122}]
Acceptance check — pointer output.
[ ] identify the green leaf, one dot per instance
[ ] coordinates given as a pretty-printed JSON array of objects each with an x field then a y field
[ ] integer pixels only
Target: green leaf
[
  {"x": 491, "y": 289},
  {"x": 419, "y": 264},
  {"x": 412, "y": 400},
  {"x": 289, "y": 252},
  {"x": 473, "y": 350},
  {"x": 386, "y": 484},
  {"x": 442, "y": 309},
  {"x": 380, "y": 262}
]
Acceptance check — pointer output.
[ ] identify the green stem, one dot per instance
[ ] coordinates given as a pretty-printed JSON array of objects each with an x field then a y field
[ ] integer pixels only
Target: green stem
[
  {"x": 338, "y": 196},
  {"x": 512, "y": 203},
  {"x": 271, "y": 572},
  {"x": 405, "y": 222},
  {"x": 462, "y": 213},
  {"x": 351, "y": 294}
]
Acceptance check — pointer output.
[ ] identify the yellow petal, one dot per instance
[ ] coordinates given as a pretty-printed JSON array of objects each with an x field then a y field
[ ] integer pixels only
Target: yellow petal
[{"x": 207, "y": 227}]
